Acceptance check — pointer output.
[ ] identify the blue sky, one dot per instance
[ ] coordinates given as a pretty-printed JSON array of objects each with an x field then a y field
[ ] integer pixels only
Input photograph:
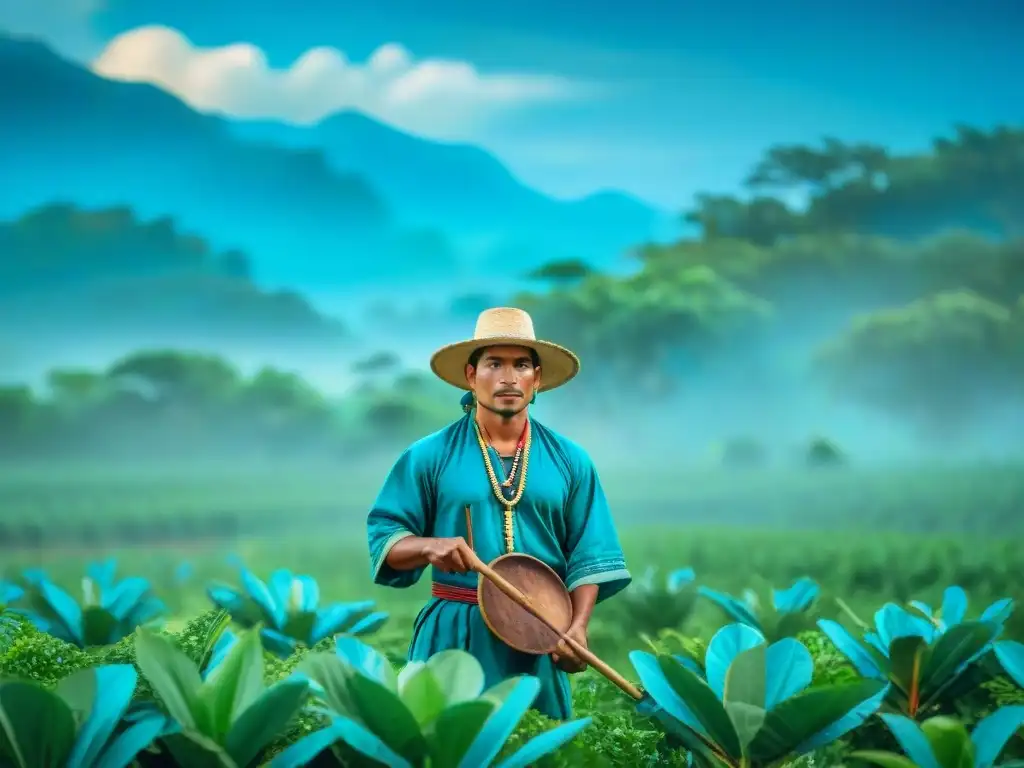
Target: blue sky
[{"x": 673, "y": 98}]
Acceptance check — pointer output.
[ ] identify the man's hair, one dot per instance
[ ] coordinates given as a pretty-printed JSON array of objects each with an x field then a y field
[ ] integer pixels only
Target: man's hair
[{"x": 477, "y": 353}]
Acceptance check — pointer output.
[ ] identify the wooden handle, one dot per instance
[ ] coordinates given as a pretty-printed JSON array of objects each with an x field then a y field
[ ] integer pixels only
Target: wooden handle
[
  {"x": 523, "y": 601},
  {"x": 469, "y": 527}
]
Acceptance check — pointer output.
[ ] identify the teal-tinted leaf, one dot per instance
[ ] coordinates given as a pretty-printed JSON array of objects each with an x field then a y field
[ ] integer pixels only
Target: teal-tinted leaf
[
  {"x": 121, "y": 752},
  {"x": 893, "y": 622},
  {"x": 277, "y": 643},
  {"x": 458, "y": 673},
  {"x": 369, "y": 624},
  {"x": 329, "y": 678},
  {"x": 908, "y": 657},
  {"x": 264, "y": 720},
  {"x": 367, "y": 661},
  {"x": 998, "y": 612},
  {"x": 65, "y": 609},
  {"x": 954, "y": 606},
  {"x": 172, "y": 675},
  {"x": 727, "y": 643},
  {"x": 734, "y": 608},
  {"x": 814, "y": 718},
  {"x": 341, "y": 729},
  {"x": 124, "y": 596},
  {"x": 36, "y": 725},
  {"x": 110, "y": 687},
  {"x": 337, "y": 617},
  {"x": 705, "y": 706},
  {"x": 847, "y": 645},
  {"x": 273, "y": 612},
  {"x": 234, "y": 685},
  {"x": 279, "y": 585},
  {"x": 799, "y": 597},
  {"x": 454, "y": 731},
  {"x": 991, "y": 734},
  {"x": 192, "y": 749},
  {"x": 1010, "y": 655},
  {"x": 513, "y": 697},
  {"x": 421, "y": 693},
  {"x": 923, "y": 608},
  {"x": 790, "y": 670},
  {"x": 680, "y": 578},
  {"x": 544, "y": 744},
  {"x": 661, "y": 691}
]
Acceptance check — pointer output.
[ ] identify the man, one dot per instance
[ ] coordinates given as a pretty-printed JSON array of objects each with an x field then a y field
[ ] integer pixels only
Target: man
[{"x": 529, "y": 489}]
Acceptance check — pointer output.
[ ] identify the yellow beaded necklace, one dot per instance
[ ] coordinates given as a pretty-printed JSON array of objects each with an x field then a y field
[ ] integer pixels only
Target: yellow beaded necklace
[{"x": 508, "y": 504}]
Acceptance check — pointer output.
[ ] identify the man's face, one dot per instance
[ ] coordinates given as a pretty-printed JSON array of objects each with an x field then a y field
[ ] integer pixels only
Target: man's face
[{"x": 504, "y": 379}]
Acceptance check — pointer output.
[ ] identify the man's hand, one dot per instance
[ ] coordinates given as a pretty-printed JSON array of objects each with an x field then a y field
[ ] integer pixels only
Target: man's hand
[
  {"x": 564, "y": 656},
  {"x": 448, "y": 555}
]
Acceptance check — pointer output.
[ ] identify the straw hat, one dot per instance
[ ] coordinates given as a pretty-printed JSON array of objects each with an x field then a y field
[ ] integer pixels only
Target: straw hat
[{"x": 505, "y": 326}]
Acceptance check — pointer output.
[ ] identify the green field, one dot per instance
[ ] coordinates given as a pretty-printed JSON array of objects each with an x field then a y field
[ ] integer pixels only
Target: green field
[{"x": 866, "y": 536}]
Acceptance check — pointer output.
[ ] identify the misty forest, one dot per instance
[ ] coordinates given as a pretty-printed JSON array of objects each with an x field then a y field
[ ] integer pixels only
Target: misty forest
[{"x": 808, "y": 419}]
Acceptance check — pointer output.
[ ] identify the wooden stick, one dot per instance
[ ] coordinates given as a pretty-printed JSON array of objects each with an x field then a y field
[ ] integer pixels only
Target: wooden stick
[
  {"x": 469, "y": 527},
  {"x": 523, "y": 601}
]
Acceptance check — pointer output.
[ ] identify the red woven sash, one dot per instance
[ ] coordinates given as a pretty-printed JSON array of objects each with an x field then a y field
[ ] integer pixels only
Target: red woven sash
[{"x": 456, "y": 594}]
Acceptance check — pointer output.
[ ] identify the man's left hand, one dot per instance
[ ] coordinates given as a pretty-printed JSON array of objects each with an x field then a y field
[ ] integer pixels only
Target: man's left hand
[{"x": 564, "y": 656}]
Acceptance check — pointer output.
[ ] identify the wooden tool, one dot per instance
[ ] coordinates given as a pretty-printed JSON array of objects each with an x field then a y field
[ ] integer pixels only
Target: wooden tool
[{"x": 527, "y": 606}]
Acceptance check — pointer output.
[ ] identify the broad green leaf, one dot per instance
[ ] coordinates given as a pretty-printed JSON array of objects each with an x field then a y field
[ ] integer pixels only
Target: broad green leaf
[
  {"x": 98, "y": 626},
  {"x": 884, "y": 759},
  {"x": 173, "y": 676},
  {"x": 796, "y": 719},
  {"x": 197, "y": 751},
  {"x": 327, "y": 670},
  {"x": 907, "y": 659},
  {"x": 747, "y": 678},
  {"x": 299, "y": 626},
  {"x": 78, "y": 690},
  {"x": 747, "y": 719},
  {"x": 459, "y": 675},
  {"x": 423, "y": 696},
  {"x": 454, "y": 731},
  {"x": 701, "y": 700},
  {"x": 234, "y": 685},
  {"x": 950, "y": 742},
  {"x": 385, "y": 715},
  {"x": 264, "y": 720},
  {"x": 544, "y": 744},
  {"x": 951, "y": 653},
  {"x": 37, "y": 727}
]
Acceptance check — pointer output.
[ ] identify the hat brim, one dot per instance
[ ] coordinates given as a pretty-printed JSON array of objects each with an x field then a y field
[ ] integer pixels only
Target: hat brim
[{"x": 557, "y": 364}]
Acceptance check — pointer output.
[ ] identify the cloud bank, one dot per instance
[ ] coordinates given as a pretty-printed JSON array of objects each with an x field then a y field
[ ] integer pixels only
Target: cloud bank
[{"x": 432, "y": 97}]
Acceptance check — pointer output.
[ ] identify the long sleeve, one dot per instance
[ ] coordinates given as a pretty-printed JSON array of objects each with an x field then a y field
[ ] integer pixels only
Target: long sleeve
[
  {"x": 592, "y": 543},
  {"x": 404, "y": 507}
]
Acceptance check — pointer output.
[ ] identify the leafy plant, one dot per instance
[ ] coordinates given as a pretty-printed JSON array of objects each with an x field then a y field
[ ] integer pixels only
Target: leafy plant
[
  {"x": 228, "y": 719},
  {"x": 909, "y": 652},
  {"x": 953, "y": 610},
  {"x": 1010, "y": 654},
  {"x": 84, "y": 723},
  {"x": 10, "y": 592},
  {"x": 791, "y": 608},
  {"x": 752, "y": 708},
  {"x": 943, "y": 742},
  {"x": 288, "y": 611},
  {"x": 434, "y": 713},
  {"x": 650, "y": 605},
  {"x": 110, "y": 609}
]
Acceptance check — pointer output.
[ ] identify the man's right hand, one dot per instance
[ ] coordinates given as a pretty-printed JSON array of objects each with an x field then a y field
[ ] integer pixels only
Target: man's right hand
[{"x": 448, "y": 555}]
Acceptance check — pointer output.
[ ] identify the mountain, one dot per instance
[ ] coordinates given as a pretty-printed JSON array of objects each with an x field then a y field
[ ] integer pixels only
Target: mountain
[
  {"x": 344, "y": 203},
  {"x": 466, "y": 190}
]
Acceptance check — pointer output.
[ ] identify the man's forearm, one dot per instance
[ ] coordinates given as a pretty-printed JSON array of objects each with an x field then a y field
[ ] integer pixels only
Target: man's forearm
[
  {"x": 584, "y": 598},
  {"x": 407, "y": 554}
]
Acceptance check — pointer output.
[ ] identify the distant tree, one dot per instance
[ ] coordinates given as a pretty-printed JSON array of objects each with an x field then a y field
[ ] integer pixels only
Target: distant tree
[
  {"x": 562, "y": 272},
  {"x": 178, "y": 378},
  {"x": 936, "y": 363},
  {"x": 377, "y": 363}
]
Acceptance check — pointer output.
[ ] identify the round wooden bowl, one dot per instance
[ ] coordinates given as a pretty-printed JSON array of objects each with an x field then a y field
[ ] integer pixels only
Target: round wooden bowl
[{"x": 515, "y": 626}]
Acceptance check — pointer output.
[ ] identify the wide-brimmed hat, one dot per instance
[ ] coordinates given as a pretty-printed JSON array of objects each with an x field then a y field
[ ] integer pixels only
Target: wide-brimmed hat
[{"x": 505, "y": 326}]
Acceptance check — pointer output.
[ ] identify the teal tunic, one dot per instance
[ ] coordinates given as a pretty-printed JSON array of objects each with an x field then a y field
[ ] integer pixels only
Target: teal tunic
[{"x": 562, "y": 519}]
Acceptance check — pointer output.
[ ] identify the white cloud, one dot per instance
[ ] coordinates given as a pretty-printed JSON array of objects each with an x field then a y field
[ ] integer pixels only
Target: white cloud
[
  {"x": 434, "y": 97},
  {"x": 64, "y": 24}
]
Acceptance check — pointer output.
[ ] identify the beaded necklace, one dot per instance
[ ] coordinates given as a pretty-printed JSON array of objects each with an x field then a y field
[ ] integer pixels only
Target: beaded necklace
[{"x": 502, "y": 490}]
